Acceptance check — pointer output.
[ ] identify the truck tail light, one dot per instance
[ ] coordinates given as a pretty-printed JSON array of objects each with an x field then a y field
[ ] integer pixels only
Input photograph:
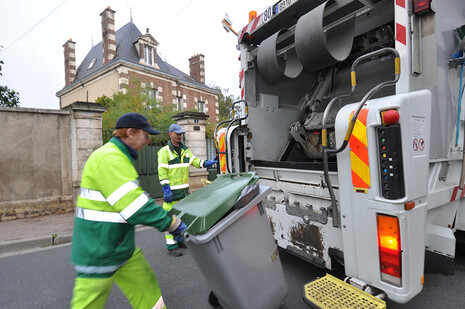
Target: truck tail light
[
  {"x": 421, "y": 6},
  {"x": 390, "y": 257}
]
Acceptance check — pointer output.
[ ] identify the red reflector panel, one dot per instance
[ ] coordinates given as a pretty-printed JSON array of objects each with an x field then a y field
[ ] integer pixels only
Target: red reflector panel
[
  {"x": 421, "y": 6},
  {"x": 390, "y": 255}
]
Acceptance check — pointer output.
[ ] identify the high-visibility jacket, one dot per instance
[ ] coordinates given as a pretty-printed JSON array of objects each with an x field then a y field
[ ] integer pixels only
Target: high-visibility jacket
[
  {"x": 173, "y": 170},
  {"x": 110, "y": 204}
]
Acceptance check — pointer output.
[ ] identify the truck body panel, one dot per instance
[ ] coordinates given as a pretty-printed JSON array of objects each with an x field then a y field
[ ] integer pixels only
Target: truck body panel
[{"x": 318, "y": 79}]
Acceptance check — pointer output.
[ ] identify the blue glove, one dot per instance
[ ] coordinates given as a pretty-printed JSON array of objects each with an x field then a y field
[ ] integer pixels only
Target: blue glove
[
  {"x": 177, "y": 233},
  {"x": 210, "y": 162},
  {"x": 167, "y": 194}
]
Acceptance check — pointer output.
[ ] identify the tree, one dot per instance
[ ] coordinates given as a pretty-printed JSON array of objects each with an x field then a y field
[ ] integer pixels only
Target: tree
[
  {"x": 137, "y": 99},
  {"x": 225, "y": 101},
  {"x": 8, "y": 97}
]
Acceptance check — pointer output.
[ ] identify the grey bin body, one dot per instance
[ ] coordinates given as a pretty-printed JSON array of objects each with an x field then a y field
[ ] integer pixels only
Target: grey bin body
[{"x": 239, "y": 258}]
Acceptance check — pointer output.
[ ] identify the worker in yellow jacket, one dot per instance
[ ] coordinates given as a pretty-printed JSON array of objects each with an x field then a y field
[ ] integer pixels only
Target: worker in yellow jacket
[
  {"x": 173, "y": 171},
  {"x": 110, "y": 204}
]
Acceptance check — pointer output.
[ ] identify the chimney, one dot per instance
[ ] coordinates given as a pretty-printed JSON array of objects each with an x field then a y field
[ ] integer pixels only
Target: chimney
[
  {"x": 108, "y": 35},
  {"x": 197, "y": 67},
  {"x": 70, "y": 61}
]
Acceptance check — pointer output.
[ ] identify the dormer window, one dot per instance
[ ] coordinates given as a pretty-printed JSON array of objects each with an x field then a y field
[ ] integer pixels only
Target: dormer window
[
  {"x": 91, "y": 64},
  {"x": 148, "y": 55},
  {"x": 146, "y": 47}
]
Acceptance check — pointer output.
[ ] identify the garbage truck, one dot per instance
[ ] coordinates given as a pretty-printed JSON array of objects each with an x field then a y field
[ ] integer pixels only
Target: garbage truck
[{"x": 350, "y": 110}]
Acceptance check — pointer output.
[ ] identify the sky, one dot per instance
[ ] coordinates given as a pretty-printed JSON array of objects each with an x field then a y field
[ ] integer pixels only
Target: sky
[{"x": 33, "y": 32}]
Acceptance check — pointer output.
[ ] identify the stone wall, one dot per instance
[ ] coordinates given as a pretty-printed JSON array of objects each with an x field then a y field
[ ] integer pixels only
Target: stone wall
[
  {"x": 193, "y": 123},
  {"x": 42, "y": 154}
]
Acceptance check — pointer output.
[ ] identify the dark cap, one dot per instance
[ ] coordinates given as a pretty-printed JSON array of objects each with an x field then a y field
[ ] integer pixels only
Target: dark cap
[
  {"x": 176, "y": 128},
  {"x": 135, "y": 121}
]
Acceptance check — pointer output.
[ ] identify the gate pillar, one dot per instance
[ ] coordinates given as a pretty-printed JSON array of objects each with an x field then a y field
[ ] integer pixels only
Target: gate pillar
[{"x": 193, "y": 123}]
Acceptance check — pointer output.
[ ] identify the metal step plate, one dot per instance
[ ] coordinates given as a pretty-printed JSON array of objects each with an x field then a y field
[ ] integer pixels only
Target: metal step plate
[{"x": 329, "y": 292}]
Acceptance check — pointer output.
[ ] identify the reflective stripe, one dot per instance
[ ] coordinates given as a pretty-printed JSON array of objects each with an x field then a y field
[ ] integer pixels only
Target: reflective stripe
[
  {"x": 165, "y": 182},
  {"x": 92, "y": 195},
  {"x": 169, "y": 151},
  {"x": 134, "y": 206},
  {"x": 183, "y": 186},
  {"x": 191, "y": 159},
  {"x": 99, "y": 216},
  {"x": 202, "y": 163},
  {"x": 178, "y": 165},
  {"x": 160, "y": 304},
  {"x": 122, "y": 191},
  {"x": 169, "y": 239},
  {"x": 97, "y": 269}
]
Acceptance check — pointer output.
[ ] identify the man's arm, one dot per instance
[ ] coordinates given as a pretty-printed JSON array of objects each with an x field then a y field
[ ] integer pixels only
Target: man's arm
[{"x": 163, "y": 174}]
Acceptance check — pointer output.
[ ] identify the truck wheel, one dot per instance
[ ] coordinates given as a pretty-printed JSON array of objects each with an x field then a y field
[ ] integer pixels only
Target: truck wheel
[{"x": 213, "y": 300}]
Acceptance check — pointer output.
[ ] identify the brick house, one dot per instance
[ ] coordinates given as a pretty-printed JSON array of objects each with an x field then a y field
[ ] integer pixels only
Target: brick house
[{"x": 126, "y": 55}]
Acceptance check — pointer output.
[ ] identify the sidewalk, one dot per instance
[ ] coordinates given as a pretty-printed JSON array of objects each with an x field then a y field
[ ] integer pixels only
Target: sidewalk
[{"x": 24, "y": 234}]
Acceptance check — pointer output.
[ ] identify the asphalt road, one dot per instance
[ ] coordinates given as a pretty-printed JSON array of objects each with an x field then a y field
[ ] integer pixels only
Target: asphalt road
[{"x": 44, "y": 279}]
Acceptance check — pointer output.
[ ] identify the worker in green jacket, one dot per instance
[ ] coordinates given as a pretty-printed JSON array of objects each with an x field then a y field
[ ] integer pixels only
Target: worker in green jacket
[
  {"x": 110, "y": 204},
  {"x": 173, "y": 171}
]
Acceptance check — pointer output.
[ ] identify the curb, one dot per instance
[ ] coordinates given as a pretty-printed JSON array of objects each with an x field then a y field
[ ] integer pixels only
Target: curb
[
  {"x": 9, "y": 247},
  {"x": 32, "y": 243}
]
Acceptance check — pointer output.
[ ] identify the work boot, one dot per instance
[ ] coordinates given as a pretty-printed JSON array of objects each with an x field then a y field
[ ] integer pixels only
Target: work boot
[{"x": 175, "y": 252}]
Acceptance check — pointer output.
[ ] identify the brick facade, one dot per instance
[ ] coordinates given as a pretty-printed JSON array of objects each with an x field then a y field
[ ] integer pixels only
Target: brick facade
[
  {"x": 170, "y": 90},
  {"x": 135, "y": 59}
]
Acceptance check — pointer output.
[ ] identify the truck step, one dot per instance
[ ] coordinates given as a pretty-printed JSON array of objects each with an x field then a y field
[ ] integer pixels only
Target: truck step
[{"x": 329, "y": 292}]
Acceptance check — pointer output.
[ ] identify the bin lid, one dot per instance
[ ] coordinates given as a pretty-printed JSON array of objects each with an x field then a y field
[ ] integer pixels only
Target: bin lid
[{"x": 206, "y": 206}]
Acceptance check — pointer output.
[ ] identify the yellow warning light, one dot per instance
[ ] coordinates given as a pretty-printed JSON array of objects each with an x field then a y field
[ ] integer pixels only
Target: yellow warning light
[{"x": 252, "y": 15}]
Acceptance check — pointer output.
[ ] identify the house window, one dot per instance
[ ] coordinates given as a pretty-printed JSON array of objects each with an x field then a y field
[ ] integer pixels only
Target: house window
[
  {"x": 148, "y": 55},
  {"x": 152, "y": 93},
  {"x": 201, "y": 107},
  {"x": 152, "y": 97},
  {"x": 179, "y": 104}
]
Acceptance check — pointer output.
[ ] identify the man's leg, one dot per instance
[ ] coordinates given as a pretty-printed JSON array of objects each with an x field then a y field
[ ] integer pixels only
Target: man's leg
[
  {"x": 91, "y": 293},
  {"x": 138, "y": 283},
  {"x": 171, "y": 244}
]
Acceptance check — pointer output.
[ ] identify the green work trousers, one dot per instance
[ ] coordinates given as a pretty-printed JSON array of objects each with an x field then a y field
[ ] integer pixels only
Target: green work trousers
[
  {"x": 170, "y": 242},
  {"x": 135, "y": 279}
]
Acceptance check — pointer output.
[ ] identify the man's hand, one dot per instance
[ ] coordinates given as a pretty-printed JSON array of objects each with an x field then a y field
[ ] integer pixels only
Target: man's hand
[
  {"x": 167, "y": 194},
  {"x": 177, "y": 234},
  {"x": 210, "y": 162},
  {"x": 177, "y": 228}
]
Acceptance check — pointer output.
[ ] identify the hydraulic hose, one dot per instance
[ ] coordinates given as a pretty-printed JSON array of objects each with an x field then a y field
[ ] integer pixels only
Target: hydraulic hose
[{"x": 326, "y": 150}]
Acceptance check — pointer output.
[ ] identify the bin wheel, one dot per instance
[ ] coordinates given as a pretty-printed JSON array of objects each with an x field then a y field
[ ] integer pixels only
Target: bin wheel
[{"x": 213, "y": 300}]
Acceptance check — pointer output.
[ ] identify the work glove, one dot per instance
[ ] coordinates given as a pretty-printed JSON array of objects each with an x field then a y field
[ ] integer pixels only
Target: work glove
[
  {"x": 210, "y": 162},
  {"x": 177, "y": 228},
  {"x": 167, "y": 194}
]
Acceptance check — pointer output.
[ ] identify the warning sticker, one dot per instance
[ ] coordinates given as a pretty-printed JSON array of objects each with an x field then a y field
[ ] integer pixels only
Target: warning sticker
[{"x": 418, "y": 133}]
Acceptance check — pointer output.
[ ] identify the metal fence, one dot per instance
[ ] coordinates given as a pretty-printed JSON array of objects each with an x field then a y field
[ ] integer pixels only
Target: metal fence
[{"x": 147, "y": 164}]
